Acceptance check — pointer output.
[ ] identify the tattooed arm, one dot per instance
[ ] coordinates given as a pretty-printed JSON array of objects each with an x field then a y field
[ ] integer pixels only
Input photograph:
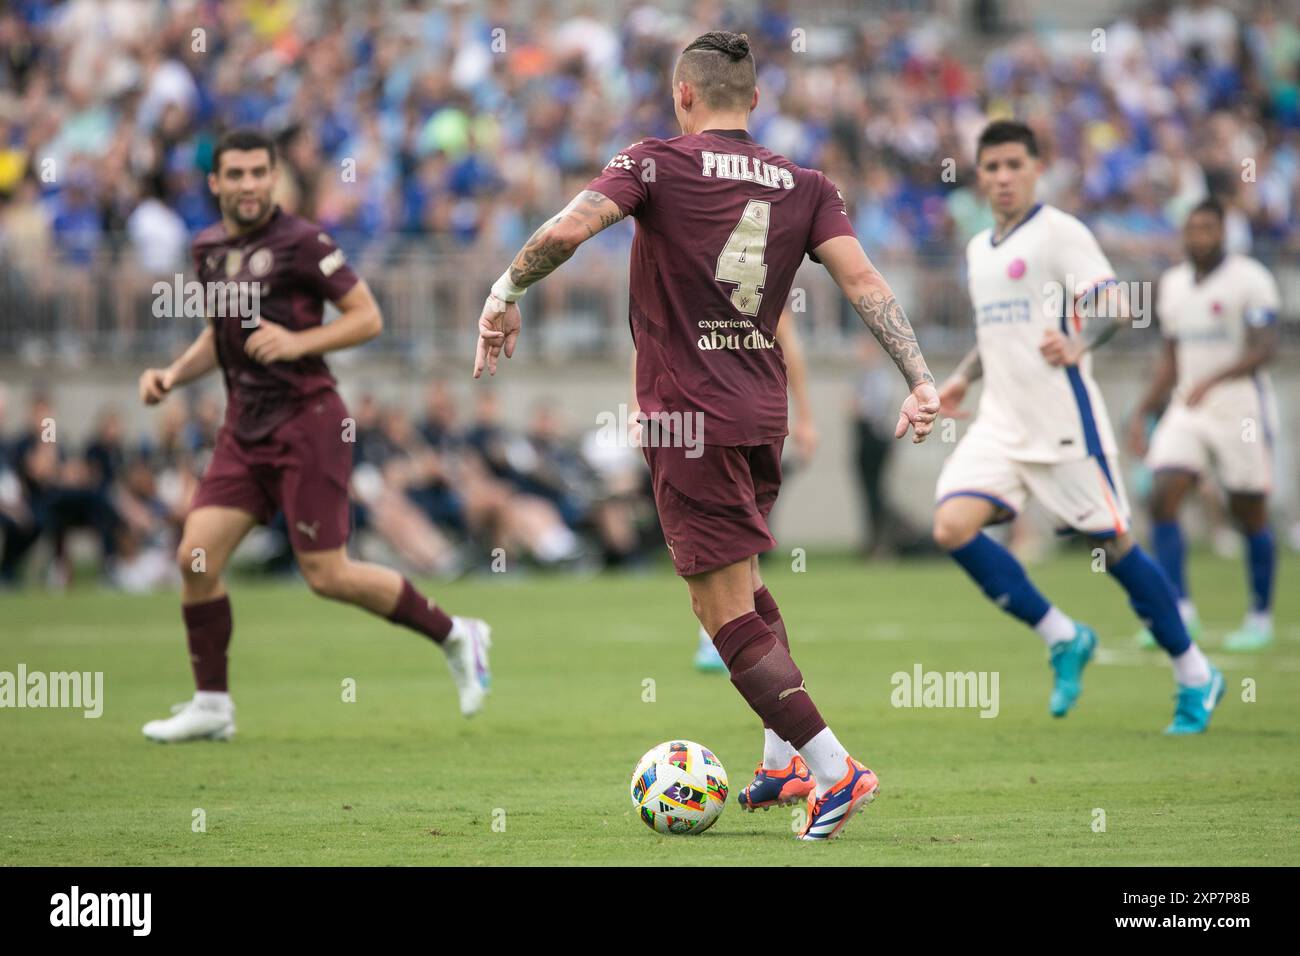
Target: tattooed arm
[
  {"x": 560, "y": 236},
  {"x": 874, "y": 301},
  {"x": 548, "y": 248}
]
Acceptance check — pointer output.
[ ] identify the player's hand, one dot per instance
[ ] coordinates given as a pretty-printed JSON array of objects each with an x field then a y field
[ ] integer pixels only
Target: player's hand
[
  {"x": 919, "y": 411},
  {"x": 155, "y": 383},
  {"x": 1059, "y": 349},
  {"x": 497, "y": 329},
  {"x": 805, "y": 437},
  {"x": 1136, "y": 438},
  {"x": 951, "y": 396},
  {"x": 273, "y": 343},
  {"x": 1198, "y": 393}
]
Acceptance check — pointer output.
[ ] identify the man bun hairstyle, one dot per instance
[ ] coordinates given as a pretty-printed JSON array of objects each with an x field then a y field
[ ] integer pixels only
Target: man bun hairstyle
[
  {"x": 721, "y": 68},
  {"x": 1007, "y": 131}
]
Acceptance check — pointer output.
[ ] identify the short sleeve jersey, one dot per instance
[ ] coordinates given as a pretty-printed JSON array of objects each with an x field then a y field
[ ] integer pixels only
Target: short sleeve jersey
[
  {"x": 294, "y": 268},
  {"x": 723, "y": 224},
  {"x": 1208, "y": 321},
  {"x": 1038, "y": 276}
]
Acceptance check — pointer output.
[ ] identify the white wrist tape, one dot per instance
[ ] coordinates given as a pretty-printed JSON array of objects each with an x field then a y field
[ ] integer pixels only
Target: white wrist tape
[{"x": 507, "y": 291}]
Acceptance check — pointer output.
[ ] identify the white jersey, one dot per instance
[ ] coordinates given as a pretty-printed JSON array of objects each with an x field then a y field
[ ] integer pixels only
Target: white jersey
[
  {"x": 1208, "y": 322},
  {"x": 1029, "y": 281}
]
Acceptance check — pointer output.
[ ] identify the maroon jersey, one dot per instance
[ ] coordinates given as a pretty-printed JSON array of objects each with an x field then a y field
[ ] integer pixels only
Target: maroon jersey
[
  {"x": 297, "y": 267},
  {"x": 722, "y": 225}
]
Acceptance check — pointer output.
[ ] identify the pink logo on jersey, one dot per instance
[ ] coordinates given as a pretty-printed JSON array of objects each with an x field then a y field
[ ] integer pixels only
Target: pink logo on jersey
[
  {"x": 1216, "y": 307},
  {"x": 1016, "y": 268}
]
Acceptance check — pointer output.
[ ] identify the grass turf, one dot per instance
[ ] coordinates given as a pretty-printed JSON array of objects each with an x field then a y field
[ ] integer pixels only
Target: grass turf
[{"x": 397, "y": 777}]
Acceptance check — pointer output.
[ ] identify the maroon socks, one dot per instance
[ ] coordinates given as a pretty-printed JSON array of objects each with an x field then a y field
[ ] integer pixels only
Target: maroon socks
[
  {"x": 766, "y": 676},
  {"x": 207, "y": 629},
  {"x": 420, "y": 614},
  {"x": 765, "y": 607}
]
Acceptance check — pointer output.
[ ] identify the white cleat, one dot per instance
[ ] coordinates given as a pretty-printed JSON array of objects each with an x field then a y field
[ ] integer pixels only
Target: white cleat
[
  {"x": 466, "y": 648},
  {"x": 209, "y": 716}
]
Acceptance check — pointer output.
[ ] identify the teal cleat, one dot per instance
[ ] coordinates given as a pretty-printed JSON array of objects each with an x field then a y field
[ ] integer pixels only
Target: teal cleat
[
  {"x": 1195, "y": 704},
  {"x": 1068, "y": 659},
  {"x": 1251, "y": 636},
  {"x": 707, "y": 658}
]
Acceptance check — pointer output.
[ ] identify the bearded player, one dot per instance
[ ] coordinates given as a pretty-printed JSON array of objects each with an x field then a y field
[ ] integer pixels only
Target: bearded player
[
  {"x": 285, "y": 443},
  {"x": 722, "y": 225},
  {"x": 1044, "y": 295},
  {"x": 1218, "y": 317}
]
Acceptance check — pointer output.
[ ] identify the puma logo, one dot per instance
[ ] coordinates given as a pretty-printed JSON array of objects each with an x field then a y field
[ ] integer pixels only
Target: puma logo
[
  {"x": 793, "y": 690},
  {"x": 308, "y": 529}
]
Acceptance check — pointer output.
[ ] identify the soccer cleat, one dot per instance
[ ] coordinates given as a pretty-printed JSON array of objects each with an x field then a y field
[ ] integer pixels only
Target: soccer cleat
[
  {"x": 1068, "y": 659},
  {"x": 208, "y": 716},
  {"x": 1251, "y": 636},
  {"x": 777, "y": 788},
  {"x": 1194, "y": 705},
  {"x": 707, "y": 657},
  {"x": 466, "y": 648},
  {"x": 827, "y": 816}
]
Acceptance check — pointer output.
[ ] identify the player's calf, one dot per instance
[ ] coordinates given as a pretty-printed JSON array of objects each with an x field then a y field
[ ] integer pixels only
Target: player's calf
[{"x": 384, "y": 592}]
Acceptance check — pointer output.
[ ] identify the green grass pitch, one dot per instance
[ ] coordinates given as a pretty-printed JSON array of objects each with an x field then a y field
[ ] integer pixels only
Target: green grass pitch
[{"x": 541, "y": 777}]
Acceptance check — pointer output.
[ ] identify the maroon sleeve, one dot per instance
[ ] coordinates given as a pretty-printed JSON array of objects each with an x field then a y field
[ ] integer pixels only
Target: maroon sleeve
[
  {"x": 627, "y": 177},
  {"x": 322, "y": 267},
  {"x": 830, "y": 218}
]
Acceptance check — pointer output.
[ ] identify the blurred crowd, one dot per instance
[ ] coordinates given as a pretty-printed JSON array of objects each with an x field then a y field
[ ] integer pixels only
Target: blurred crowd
[
  {"x": 415, "y": 126},
  {"x": 462, "y": 125},
  {"x": 440, "y": 495}
]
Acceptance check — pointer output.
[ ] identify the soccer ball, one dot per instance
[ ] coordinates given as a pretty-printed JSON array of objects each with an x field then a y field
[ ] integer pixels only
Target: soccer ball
[{"x": 679, "y": 787}]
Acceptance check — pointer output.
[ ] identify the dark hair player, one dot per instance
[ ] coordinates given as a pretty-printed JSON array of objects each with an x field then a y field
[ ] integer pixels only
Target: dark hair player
[{"x": 285, "y": 443}]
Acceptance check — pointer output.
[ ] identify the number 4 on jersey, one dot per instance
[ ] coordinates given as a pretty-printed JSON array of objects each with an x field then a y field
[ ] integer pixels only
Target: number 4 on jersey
[{"x": 741, "y": 260}]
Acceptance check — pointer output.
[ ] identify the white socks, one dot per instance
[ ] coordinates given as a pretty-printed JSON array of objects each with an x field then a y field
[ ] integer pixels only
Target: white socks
[
  {"x": 1262, "y": 620},
  {"x": 777, "y": 753},
  {"x": 825, "y": 758},
  {"x": 1187, "y": 611},
  {"x": 1055, "y": 627},
  {"x": 1191, "y": 668},
  {"x": 212, "y": 699}
]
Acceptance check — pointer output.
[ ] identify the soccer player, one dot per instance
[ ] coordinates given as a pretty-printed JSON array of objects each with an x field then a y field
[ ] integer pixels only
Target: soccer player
[
  {"x": 1218, "y": 317},
  {"x": 285, "y": 442},
  {"x": 1044, "y": 296},
  {"x": 804, "y": 432},
  {"x": 722, "y": 225}
]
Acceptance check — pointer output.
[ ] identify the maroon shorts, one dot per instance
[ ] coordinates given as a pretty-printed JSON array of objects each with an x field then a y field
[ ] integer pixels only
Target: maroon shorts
[
  {"x": 713, "y": 509},
  {"x": 303, "y": 466}
]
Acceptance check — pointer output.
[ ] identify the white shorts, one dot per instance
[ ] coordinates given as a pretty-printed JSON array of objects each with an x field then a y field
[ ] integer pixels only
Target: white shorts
[
  {"x": 1085, "y": 495},
  {"x": 1234, "y": 442}
]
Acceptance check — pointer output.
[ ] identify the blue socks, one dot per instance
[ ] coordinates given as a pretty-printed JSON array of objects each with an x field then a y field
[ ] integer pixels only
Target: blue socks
[
  {"x": 1002, "y": 579},
  {"x": 1167, "y": 539},
  {"x": 1262, "y": 555},
  {"x": 1153, "y": 598}
]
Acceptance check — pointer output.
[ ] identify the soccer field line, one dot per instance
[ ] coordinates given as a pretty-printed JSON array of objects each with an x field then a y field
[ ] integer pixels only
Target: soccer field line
[{"x": 1228, "y": 662}]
